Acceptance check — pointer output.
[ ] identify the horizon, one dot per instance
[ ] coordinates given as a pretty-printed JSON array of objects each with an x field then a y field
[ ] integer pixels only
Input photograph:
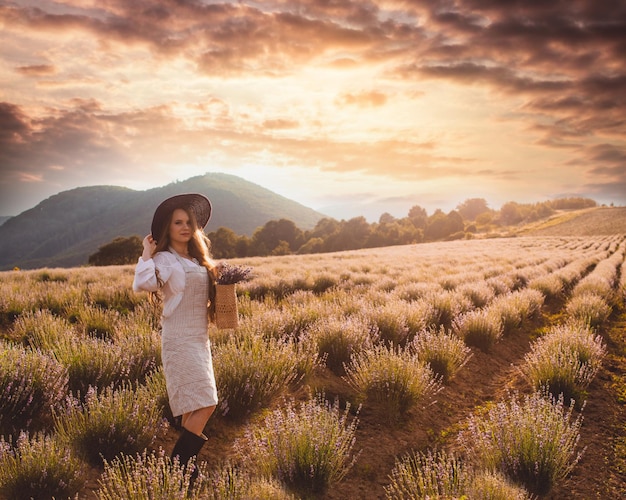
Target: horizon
[
  {"x": 351, "y": 108},
  {"x": 371, "y": 219}
]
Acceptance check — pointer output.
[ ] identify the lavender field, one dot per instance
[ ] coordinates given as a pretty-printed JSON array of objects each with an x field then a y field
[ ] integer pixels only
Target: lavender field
[{"x": 480, "y": 368}]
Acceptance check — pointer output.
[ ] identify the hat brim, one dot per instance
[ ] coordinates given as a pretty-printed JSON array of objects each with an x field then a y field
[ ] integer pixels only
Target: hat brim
[{"x": 195, "y": 202}]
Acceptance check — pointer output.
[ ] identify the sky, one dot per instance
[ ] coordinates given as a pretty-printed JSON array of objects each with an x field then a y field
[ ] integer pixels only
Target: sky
[{"x": 351, "y": 107}]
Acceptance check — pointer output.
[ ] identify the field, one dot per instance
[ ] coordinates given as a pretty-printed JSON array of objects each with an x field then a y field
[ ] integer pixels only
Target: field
[{"x": 419, "y": 346}]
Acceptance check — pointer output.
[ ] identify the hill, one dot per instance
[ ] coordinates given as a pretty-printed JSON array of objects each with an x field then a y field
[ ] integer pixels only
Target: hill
[
  {"x": 63, "y": 230},
  {"x": 587, "y": 222}
]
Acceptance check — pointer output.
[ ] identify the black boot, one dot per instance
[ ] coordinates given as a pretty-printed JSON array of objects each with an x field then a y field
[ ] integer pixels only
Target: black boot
[{"x": 187, "y": 446}]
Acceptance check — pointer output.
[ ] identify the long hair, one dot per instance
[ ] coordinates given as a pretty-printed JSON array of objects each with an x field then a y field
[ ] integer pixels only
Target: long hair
[{"x": 199, "y": 247}]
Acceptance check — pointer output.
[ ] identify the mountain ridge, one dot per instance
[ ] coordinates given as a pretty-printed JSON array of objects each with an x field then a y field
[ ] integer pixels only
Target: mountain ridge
[{"x": 64, "y": 229}]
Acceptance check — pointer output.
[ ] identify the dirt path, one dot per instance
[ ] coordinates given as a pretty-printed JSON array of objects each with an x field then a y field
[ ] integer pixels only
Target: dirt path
[{"x": 601, "y": 473}]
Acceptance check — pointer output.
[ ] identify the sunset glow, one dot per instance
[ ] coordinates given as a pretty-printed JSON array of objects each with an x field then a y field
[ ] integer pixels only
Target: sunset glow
[{"x": 349, "y": 107}]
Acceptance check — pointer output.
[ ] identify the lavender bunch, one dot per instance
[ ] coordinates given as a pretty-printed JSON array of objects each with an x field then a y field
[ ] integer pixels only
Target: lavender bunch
[{"x": 230, "y": 274}]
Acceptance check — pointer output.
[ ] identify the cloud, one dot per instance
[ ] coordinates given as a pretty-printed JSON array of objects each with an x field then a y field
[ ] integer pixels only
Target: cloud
[
  {"x": 36, "y": 70},
  {"x": 363, "y": 99},
  {"x": 344, "y": 86}
]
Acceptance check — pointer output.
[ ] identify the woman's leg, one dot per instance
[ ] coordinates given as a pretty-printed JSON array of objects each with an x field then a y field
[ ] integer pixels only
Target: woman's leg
[
  {"x": 192, "y": 438},
  {"x": 196, "y": 420}
]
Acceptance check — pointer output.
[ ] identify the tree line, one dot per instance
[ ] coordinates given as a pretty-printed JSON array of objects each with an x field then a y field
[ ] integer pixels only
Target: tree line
[{"x": 283, "y": 237}]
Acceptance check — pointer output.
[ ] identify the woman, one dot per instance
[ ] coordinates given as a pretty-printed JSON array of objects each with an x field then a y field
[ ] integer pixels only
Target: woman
[{"x": 176, "y": 263}]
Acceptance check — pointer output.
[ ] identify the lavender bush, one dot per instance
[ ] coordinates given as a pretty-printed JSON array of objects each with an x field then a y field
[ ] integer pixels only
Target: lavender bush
[
  {"x": 308, "y": 447},
  {"x": 531, "y": 440},
  {"x": 479, "y": 328},
  {"x": 253, "y": 370},
  {"x": 427, "y": 475},
  {"x": 337, "y": 339},
  {"x": 32, "y": 384},
  {"x": 588, "y": 308},
  {"x": 443, "y": 352},
  {"x": 565, "y": 360},
  {"x": 495, "y": 486},
  {"x": 233, "y": 483},
  {"x": 39, "y": 467},
  {"x": 150, "y": 476},
  {"x": 125, "y": 420},
  {"x": 396, "y": 378}
]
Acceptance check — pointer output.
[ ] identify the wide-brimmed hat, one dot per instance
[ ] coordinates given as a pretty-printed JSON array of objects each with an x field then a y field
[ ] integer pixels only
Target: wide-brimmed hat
[{"x": 195, "y": 202}]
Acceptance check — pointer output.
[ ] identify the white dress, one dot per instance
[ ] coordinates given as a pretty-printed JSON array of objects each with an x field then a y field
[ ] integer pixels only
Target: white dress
[{"x": 185, "y": 345}]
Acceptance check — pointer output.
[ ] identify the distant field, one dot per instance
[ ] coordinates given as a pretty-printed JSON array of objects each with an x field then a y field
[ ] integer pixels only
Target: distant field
[{"x": 589, "y": 222}]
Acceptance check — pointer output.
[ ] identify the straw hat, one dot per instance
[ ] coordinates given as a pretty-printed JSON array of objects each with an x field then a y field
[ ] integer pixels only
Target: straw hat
[{"x": 194, "y": 202}]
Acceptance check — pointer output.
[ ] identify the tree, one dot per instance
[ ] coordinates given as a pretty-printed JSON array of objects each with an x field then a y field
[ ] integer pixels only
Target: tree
[
  {"x": 510, "y": 213},
  {"x": 386, "y": 218},
  {"x": 472, "y": 207},
  {"x": 324, "y": 228},
  {"x": 313, "y": 245},
  {"x": 418, "y": 216},
  {"x": 119, "y": 251},
  {"x": 441, "y": 225},
  {"x": 268, "y": 237},
  {"x": 352, "y": 235},
  {"x": 454, "y": 222},
  {"x": 223, "y": 243}
]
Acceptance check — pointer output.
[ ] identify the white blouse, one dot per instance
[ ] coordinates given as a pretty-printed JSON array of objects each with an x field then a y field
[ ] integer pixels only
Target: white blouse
[{"x": 171, "y": 273}]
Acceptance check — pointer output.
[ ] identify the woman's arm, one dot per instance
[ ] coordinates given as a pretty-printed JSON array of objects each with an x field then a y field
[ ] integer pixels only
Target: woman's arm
[{"x": 147, "y": 266}]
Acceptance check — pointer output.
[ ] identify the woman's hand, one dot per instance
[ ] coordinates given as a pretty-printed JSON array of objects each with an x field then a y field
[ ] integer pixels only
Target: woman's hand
[{"x": 149, "y": 245}]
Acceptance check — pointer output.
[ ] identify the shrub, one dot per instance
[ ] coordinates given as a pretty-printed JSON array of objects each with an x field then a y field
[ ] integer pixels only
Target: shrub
[
  {"x": 324, "y": 282},
  {"x": 150, "y": 476},
  {"x": 395, "y": 378},
  {"x": 443, "y": 352},
  {"x": 90, "y": 362},
  {"x": 140, "y": 345},
  {"x": 494, "y": 486},
  {"x": 480, "y": 328},
  {"x": 40, "y": 329},
  {"x": 114, "y": 297},
  {"x": 446, "y": 306},
  {"x": 514, "y": 308},
  {"x": 338, "y": 339},
  {"x": 551, "y": 285},
  {"x": 390, "y": 322},
  {"x": 118, "y": 421},
  {"x": 253, "y": 370},
  {"x": 590, "y": 309},
  {"x": 307, "y": 447},
  {"x": 532, "y": 440},
  {"x": 97, "y": 322},
  {"x": 297, "y": 318},
  {"x": 39, "y": 468},
  {"x": 566, "y": 360},
  {"x": 234, "y": 484},
  {"x": 479, "y": 293},
  {"x": 427, "y": 475},
  {"x": 32, "y": 384}
]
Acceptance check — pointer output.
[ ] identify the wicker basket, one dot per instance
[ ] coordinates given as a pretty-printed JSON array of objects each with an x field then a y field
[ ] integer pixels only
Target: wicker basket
[{"x": 226, "y": 306}]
